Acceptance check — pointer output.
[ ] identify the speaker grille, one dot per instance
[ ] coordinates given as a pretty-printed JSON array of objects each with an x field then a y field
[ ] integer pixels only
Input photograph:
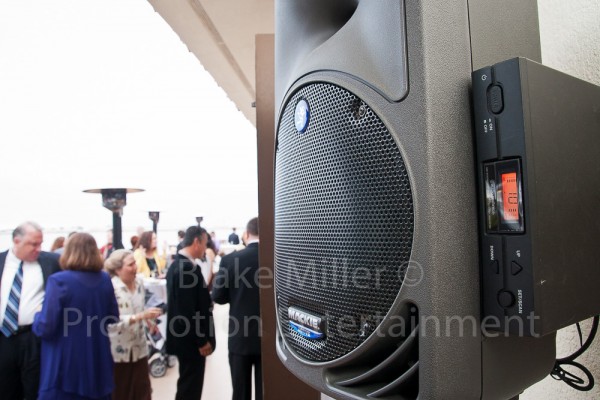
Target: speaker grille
[{"x": 343, "y": 220}]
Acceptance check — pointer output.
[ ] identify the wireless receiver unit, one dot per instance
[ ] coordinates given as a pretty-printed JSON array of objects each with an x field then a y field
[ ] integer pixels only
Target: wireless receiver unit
[{"x": 538, "y": 160}]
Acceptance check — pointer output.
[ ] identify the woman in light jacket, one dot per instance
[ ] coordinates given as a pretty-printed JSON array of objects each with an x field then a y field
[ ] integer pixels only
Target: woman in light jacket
[
  {"x": 127, "y": 337},
  {"x": 149, "y": 262}
]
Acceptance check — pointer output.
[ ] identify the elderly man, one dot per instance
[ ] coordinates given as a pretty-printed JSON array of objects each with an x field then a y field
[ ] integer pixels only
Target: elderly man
[
  {"x": 190, "y": 330},
  {"x": 24, "y": 270}
]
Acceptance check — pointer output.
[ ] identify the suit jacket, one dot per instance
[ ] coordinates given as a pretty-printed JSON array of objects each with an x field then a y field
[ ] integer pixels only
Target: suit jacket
[
  {"x": 48, "y": 262},
  {"x": 233, "y": 238},
  {"x": 189, "y": 309},
  {"x": 236, "y": 283}
]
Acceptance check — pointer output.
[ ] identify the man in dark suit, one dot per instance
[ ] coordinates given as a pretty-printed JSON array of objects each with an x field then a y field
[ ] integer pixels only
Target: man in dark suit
[
  {"x": 237, "y": 283},
  {"x": 233, "y": 238},
  {"x": 19, "y": 347},
  {"x": 190, "y": 327}
]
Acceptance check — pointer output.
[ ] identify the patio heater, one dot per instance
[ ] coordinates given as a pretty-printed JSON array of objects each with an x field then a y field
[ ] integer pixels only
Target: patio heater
[
  {"x": 154, "y": 215},
  {"x": 115, "y": 199}
]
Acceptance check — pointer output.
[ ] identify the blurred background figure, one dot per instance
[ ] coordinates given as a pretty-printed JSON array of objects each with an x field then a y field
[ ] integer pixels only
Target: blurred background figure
[
  {"x": 215, "y": 241},
  {"x": 180, "y": 236},
  {"x": 207, "y": 262},
  {"x": 60, "y": 250},
  {"x": 233, "y": 237},
  {"x": 149, "y": 262},
  {"x": 76, "y": 361},
  {"x": 128, "y": 339},
  {"x": 108, "y": 247},
  {"x": 58, "y": 243},
  {"x": 134, "y": 242}
]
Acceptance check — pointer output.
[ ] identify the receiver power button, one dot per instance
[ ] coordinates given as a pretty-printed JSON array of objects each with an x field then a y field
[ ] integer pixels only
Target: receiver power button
[{"x": 494, "y": 98}]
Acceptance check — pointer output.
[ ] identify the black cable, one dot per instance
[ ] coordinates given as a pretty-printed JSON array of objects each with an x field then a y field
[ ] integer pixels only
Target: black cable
[
  {"x": 559, "y": 373},
  {"x": 587, "y": 343},
  {"x": 578, "y": 325}
]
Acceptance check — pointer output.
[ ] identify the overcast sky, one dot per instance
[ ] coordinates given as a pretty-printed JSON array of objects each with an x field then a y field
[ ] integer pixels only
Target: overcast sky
[{"x": 102, "y": 93}]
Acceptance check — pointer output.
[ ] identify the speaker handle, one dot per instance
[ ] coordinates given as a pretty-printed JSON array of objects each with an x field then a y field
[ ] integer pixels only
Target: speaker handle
[{"x": 349, "y": 36}]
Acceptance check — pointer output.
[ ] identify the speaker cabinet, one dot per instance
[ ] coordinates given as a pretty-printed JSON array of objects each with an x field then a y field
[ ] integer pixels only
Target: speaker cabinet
[{"x": 376, "y": 243}]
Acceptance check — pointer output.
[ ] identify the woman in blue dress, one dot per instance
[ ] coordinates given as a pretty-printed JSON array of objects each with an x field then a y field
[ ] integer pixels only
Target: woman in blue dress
[{"x": 76, "y": 361}]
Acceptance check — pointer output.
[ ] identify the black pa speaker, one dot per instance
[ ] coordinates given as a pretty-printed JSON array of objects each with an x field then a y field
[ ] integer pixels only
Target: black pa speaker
[{"x": 376, "y": 241}]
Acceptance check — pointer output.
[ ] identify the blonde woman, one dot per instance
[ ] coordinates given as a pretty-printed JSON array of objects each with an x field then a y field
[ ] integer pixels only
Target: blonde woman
[
  {"x": 127, "y": 337},
  {"x": 149, "y": 262}
]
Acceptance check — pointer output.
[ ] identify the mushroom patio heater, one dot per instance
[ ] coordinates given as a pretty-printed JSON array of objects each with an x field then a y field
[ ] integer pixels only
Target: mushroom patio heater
[
  {"x": 115, "y": 199},
  {"x": 154, "y": 215}
]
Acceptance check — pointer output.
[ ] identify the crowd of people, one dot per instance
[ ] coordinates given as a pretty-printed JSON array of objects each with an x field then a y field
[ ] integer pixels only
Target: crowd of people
[{"x": 73, "y": 321}]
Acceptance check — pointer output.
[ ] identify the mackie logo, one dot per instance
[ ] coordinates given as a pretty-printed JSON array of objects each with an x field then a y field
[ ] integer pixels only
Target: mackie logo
[{"x": 305, "y": 324}]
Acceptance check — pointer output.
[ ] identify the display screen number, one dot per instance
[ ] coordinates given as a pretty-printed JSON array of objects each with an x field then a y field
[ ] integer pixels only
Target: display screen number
[
  {"x": 510, "y": 196},
  {"x": 504, "y": 210}
]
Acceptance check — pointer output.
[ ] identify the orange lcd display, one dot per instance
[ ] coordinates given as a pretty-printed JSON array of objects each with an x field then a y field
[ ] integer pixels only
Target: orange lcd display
[{"x": 510, "y": 196}]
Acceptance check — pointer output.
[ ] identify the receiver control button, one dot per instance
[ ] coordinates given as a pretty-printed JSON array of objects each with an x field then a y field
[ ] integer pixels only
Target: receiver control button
[
  {"x": 515, "y": 268},
  {"x": 495, "y": 266},
  {"x": 506, "y": 299},
  {"x": 494, "y": 98}
]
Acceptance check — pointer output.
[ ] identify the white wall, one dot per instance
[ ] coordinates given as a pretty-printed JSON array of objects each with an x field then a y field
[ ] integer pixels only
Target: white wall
[{"x": 570, "y": 35}]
